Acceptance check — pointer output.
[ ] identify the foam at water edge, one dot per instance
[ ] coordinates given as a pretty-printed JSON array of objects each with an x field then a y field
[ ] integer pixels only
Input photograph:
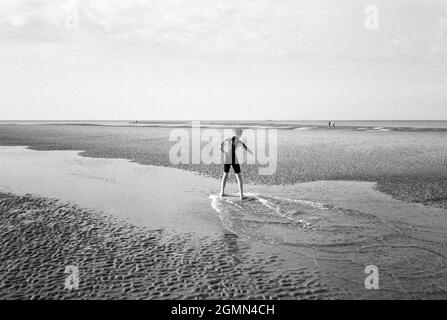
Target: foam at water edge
[
  {"x": 313, "y": 204},
  {"x": 214, "y": 198}
]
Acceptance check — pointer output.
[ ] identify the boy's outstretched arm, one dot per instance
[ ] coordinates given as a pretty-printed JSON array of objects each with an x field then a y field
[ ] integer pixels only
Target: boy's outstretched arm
[
  {"x": 221, "y": 147},
  {"x": 246, "y": 148}
]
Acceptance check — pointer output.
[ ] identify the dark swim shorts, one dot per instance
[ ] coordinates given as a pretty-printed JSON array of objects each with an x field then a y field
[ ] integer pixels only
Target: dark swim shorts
[{"x": 236, "y": 167}]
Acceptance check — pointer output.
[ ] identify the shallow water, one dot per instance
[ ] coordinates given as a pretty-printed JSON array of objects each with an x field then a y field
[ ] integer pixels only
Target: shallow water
[
  {"x": 324, "y": 233},
  {"x": 346, "y": 229},
  {"x": 155, "y": 197}
]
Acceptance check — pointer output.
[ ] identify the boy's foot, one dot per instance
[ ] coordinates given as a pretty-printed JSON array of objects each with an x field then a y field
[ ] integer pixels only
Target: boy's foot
[
  {"x": 242, "y": 197},
  {"x": 222, "y": 194}
]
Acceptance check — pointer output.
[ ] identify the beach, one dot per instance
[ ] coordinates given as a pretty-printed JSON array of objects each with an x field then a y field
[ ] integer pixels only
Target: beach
[
  {"x": 107, "y": 199},
  {"x": 40, "y": 237},
  {"x": 408, "y": 164}
]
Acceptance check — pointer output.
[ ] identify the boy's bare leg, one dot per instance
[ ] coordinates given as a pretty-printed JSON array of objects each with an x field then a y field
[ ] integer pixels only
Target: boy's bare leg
[
  {"x": 239, "y": 183},
  {"x": 224, "y": 182}
]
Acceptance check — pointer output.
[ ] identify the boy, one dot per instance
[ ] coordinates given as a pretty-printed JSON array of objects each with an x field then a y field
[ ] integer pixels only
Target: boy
[{"x": 228, "y": 148}]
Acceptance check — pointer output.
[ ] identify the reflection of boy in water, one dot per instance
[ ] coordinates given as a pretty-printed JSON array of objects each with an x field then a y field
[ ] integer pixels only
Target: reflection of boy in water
[{"x": 228, "y": 148}]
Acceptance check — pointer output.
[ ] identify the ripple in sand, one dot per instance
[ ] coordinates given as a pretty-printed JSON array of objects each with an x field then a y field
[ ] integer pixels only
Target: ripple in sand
[{"x": 119, "y": 261}]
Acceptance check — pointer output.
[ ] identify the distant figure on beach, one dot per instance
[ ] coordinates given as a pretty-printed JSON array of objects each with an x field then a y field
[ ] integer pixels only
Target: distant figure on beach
[
  {"x": 228, "y": 148},
  {"x": 331, "y": 124}
]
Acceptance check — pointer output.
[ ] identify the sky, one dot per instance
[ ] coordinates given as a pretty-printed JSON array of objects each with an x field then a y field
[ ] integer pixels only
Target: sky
[{"x": 223, "y": 60}]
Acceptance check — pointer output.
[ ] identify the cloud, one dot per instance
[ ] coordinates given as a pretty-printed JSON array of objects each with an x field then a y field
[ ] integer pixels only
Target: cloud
[{"x": 327, "y": 28}]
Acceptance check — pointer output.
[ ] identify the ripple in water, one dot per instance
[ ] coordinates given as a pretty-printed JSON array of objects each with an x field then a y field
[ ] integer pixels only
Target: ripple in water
[{"x": 341, "y": 241}]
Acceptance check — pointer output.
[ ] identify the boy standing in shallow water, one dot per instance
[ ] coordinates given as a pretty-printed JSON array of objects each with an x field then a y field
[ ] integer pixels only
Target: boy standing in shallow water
[{"x": 228, "y": 148}]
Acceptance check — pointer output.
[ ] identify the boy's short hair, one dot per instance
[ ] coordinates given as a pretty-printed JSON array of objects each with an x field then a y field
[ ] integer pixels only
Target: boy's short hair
[{"x": 238, "y": 131}]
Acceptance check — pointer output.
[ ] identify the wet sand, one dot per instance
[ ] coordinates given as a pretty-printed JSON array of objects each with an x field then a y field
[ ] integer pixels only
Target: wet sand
[
  {"x": 127, "y": 235},
  {"x": 116, "y": 260},
  {"x": 130, "y": 238},
  {"x": 137, "y": 232},
  {"x": 410, "y": 166}
]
